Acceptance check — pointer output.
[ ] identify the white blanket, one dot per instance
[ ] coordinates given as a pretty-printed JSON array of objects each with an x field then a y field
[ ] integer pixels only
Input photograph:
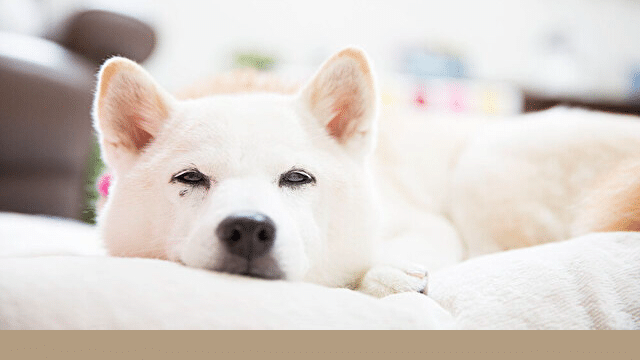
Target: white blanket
[
  {"x": 53, "y": 275},
  {"x": 590, "y": 282}
]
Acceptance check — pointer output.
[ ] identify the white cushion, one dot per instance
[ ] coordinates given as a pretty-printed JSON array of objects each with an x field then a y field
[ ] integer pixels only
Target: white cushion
[
  {"x": 43, "y": 288},
  {"x": 590, "y": 282},
  {"x": 54, "y": 275}
]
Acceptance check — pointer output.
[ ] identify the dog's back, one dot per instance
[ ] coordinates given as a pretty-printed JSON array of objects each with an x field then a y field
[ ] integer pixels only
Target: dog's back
[
  {"x": 520, "y": 183},
  {"x": 239, "y": 81}
]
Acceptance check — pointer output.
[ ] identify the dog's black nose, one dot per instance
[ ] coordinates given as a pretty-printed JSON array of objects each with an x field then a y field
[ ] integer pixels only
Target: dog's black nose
[{"x": 249, "y": 235}]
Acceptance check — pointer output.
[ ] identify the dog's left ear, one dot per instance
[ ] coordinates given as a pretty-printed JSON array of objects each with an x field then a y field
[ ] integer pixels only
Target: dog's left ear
[{"x": 342, "y": 97}]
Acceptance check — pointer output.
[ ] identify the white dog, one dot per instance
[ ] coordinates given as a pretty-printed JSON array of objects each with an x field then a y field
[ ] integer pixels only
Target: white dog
[
  {"x": 263, "y": 184},
  {"x": 286, "y": 186}
]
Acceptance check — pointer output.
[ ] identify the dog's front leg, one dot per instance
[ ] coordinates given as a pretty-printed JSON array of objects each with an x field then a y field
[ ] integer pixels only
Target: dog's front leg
[
  {"x": 420, "y": 241},
  {"x": 383, "y": 280}
]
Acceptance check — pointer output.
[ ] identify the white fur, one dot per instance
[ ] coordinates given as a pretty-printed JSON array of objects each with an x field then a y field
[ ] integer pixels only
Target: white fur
[
  {"x": 519, "y": 183},
  {"x": 455, "y": 188},
  {"x": 446, "y": 190}
]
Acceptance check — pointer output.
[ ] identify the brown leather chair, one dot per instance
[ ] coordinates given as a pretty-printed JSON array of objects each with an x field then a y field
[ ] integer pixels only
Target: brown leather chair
[{"x": 46, "y": 90}]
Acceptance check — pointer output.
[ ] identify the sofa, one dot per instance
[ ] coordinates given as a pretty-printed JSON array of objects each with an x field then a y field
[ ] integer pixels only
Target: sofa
[{"x": 46, "y": 92}]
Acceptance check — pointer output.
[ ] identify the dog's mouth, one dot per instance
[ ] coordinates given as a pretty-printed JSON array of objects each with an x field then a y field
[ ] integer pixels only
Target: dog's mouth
[
  {"x": 268, "y": 274},
  {"x": 262, "y": 268}
]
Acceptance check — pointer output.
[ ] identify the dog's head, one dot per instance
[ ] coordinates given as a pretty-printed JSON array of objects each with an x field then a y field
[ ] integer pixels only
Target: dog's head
[{"x": 267, "y": 185}]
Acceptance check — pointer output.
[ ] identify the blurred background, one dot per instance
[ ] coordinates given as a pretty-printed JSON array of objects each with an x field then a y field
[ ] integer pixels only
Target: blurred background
[{"x": 461, "y": 57}]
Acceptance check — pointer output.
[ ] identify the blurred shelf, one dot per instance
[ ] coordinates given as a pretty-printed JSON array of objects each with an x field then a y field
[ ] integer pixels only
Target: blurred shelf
[{"x": 537, "y": 103}]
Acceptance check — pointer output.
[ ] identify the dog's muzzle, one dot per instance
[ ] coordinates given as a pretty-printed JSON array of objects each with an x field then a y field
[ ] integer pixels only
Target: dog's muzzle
[{"x": 248, "y": 239}]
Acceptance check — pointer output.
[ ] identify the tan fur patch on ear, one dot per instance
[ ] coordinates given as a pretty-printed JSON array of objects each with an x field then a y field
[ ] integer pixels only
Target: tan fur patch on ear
[
  {"x": 359, "y": 57},
  {"x": 106, "y": 75}
]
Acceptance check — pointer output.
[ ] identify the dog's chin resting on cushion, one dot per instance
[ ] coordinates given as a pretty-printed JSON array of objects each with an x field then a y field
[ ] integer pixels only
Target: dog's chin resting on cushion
[{"x": 248, "y": 177}]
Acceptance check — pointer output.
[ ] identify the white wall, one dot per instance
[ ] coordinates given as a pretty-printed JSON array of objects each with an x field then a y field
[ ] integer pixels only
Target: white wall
[{"x": 500, "y": 39}]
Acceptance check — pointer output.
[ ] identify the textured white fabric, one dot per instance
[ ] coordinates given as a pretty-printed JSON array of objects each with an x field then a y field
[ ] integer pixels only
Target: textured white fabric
[
  {"x": 66, "y": 292},
  {"x": 590, "y": 282},
  {"x": 66, "y": 282},
  {"x": 24, "y": 235},
  {"x": 42, "y": 288}
]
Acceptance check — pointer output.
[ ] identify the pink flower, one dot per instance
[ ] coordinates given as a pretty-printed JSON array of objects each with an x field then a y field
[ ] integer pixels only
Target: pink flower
[{"x": 103, "y": 184}]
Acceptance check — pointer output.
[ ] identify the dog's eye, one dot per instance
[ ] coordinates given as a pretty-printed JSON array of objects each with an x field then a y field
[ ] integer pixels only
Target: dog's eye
[
  {"x": 296, "y": 178},
  {"x": 191, "y": 177}
]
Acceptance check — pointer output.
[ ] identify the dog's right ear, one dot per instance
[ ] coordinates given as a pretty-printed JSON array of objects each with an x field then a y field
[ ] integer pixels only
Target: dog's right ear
[{"x": 129, "y": 109}]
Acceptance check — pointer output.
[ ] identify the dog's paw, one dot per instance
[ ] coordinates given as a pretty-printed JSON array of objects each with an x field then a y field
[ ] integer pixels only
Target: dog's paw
[{"x": 384, "y": 280}]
